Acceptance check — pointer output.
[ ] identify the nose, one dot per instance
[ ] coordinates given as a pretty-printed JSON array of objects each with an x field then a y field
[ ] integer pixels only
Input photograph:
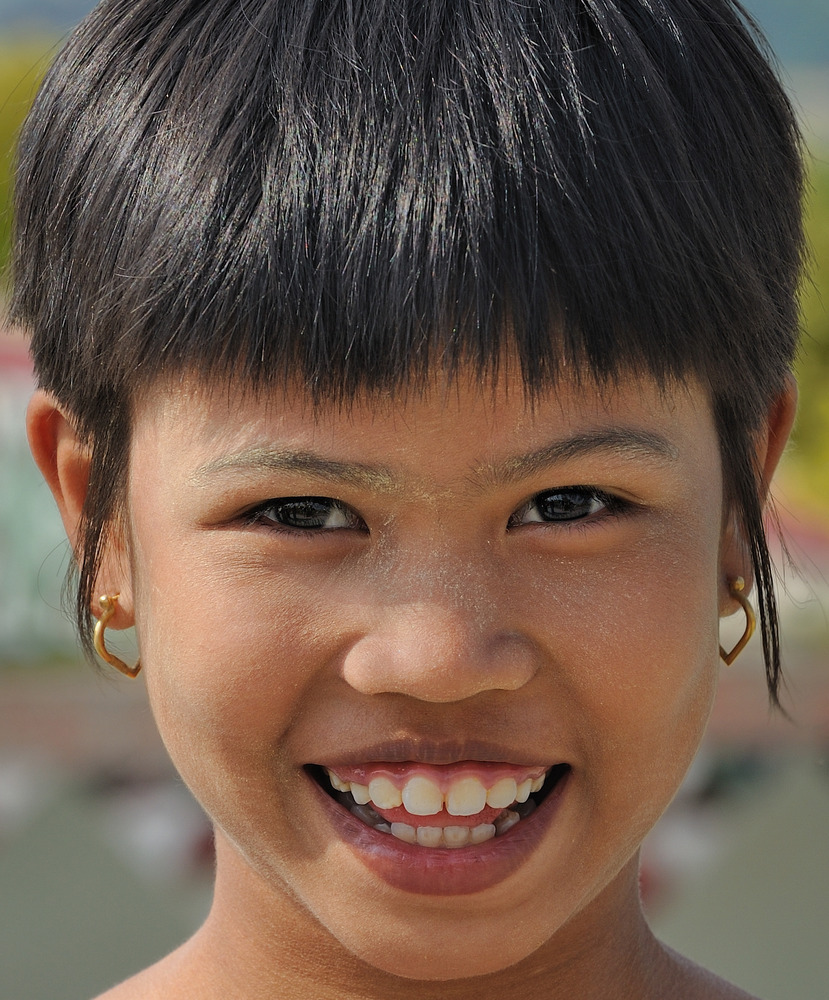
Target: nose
[{"x": 439, "y": 650}]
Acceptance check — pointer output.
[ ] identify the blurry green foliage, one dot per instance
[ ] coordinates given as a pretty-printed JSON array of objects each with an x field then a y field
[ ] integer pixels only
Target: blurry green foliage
[
  {"x": 808, "y": 460},
  {"x": 22, "y": 63}
]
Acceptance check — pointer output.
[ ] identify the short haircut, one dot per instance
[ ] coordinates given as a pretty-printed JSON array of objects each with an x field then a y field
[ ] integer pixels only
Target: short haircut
[{"x": 355, "y": 193}]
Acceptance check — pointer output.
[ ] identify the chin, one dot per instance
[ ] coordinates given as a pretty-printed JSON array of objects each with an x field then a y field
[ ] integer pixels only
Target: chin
[
  {"x": 440, "y": 942},
  {"x": 459, "y": 956}
]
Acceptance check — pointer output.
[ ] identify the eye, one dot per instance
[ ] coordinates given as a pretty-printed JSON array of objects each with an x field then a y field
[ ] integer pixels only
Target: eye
[
  {"x": 572, "y": 503},
  {"x": 305, "y": 514}
]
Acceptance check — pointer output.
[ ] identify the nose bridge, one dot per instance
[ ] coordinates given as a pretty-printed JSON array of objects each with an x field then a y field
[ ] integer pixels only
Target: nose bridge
[
  {"x": 441, "y": 631},
  {"x": 442, "y": 577},
  {"x": 445, "y": 581}
]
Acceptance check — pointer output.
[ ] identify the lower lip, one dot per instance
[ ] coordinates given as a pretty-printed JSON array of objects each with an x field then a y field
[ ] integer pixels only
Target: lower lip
[{"x": 443, "y": 871}]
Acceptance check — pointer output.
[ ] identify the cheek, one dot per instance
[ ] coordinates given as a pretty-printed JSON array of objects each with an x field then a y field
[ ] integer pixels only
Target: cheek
[
  {"x": 228, "y": 666},
  {"x": 633, "y": 641}
]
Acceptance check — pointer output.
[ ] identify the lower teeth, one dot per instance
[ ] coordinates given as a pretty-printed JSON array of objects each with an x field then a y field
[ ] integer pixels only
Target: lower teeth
[
  {"x": 434, "y": 836},
  {"x": 506, "y": 821}
]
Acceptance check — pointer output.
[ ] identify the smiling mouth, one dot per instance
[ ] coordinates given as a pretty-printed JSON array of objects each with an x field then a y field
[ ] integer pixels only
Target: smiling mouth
[{"x": 440, "y": 807}]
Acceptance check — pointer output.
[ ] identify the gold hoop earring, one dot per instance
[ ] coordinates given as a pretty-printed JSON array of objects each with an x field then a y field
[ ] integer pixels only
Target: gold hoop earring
[
  {"x": 109, "y": 603},
  {"x": 736, "y": 588}
]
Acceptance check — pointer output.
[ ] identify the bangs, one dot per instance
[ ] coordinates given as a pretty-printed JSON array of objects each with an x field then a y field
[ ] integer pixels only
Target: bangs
[{"x": 357, "y": 194}]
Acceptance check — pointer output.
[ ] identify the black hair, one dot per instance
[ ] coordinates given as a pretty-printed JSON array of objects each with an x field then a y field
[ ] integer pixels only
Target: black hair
[{"x": 355, "y": 192}]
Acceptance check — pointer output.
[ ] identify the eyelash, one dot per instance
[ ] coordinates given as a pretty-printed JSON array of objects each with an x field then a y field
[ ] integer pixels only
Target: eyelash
[
  {"x": 258, "y": 515},
  {"x": 574, "y": 496},
  {"x": 610, "y": 506}
]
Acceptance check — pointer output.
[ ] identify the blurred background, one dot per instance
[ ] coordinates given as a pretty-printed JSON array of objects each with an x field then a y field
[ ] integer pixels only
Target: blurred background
[{"x": 105, "y": 860}]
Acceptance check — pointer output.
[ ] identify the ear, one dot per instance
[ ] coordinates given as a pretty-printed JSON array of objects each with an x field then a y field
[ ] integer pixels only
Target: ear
[
  {"x": 770, "y": 442},
  {"x": 776, "y": 432},
  {"x": 64, "y": 461}
]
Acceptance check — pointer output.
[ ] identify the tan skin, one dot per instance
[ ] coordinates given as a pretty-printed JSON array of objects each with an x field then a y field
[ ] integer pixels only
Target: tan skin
[{"x": 439, "y": 604}]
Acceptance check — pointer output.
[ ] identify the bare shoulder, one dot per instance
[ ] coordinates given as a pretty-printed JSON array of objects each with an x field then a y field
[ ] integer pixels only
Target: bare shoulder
[
  {"x": 167, "y": 980},
  {"x": 135, "y": 988},
  {"x": 695, "y": 983}
]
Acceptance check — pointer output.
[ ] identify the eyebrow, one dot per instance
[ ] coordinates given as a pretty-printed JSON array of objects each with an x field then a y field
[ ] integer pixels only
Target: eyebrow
[
  {"x": 624, "y": 442},
  {"x": 275, "y": 460}
]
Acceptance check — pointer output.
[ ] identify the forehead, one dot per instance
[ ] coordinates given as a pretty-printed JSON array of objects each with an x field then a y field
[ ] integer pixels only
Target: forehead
[{"x": 482, "y": 425}]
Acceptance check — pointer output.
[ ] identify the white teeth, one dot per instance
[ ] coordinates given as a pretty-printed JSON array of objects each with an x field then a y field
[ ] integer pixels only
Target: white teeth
[
  {"x": 506, "y": 821},
  {"x": 360, "y": 793},
  {"x": 502, "y": 793},
  {"x": 422, "y": 797},
  {"x": 384, "y": 794},
  {"x": 404, "y": 832},
  {"x": 455, "y": 836},
  {"x": 337, "y": 782},
  {"x": 429, "y": 836},
  {"x": 466, "y": 798},
  {"x": 482, "y": 833},
  {"x": 448, "y": 836}
]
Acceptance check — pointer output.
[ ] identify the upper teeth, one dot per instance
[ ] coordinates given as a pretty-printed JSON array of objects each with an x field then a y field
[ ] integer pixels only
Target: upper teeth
[
  {"x": 465, "y": 796},
  {"x": 383, "y": 793},
  {"x": 421, "y": 797}
]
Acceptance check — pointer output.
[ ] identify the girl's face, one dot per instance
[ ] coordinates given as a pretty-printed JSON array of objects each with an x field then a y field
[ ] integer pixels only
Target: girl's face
[{"x": 437, "y": 605}]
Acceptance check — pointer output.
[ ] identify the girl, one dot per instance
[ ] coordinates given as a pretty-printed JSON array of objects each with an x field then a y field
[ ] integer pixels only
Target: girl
[{"x": 411, "y": 377}]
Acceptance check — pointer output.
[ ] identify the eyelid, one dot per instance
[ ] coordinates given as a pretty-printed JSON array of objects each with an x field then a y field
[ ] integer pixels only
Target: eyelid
[
  {"x": 613, "y": 505},
  {"x": 255, "y": 515}
]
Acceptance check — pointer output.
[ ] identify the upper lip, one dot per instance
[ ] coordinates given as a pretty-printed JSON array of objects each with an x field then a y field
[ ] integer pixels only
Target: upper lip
[{"x": 430, "y": 751}]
